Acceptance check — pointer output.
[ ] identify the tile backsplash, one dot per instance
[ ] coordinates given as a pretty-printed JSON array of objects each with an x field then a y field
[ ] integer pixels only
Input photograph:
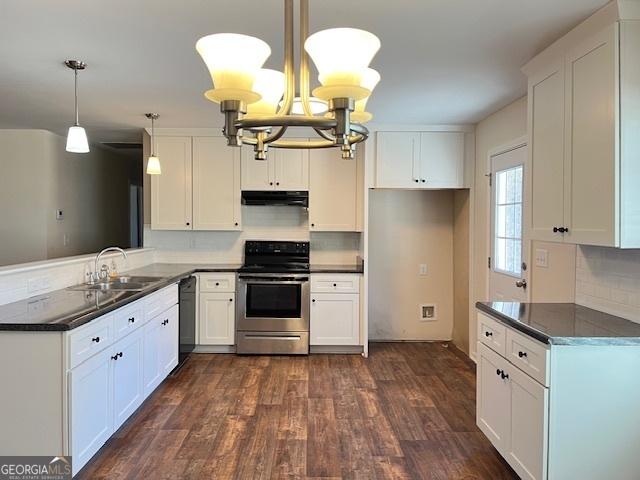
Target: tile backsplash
[{"x": 608, "y": 279}]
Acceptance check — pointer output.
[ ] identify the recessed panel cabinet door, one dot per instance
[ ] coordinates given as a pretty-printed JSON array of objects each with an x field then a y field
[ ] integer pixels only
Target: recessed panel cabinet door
[
  {"x": 171, "y": 199},
  {"x": 127, "y": 380},
  {"x": 398, "y": 159},
  {"x": 333, "y": 191},
  {"x": 151, "y": 364},
  {"x": 291, "y": 167},
  {"x": 441, "y": 160},
  {"x": 217, "y": 318},
  {"x": 493, "y": 398},
  {"x": 216, "y": 185},
  {"x": 546, "y": 171},
  {"x": 335, "y": 319},
  {"x": 257, "y": 174},
  {"x": 91, "y": 408},
  {"x": 168, "y": 356},
  {"x": 591, "y": 203}
]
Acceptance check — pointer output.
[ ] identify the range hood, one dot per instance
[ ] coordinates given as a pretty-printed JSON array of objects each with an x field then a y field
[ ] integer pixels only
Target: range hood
[{"x": 295, "y": 198}]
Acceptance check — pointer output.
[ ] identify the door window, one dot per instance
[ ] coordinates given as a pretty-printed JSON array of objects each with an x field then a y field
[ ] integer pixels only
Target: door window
[{"x": 507, "y": 241}]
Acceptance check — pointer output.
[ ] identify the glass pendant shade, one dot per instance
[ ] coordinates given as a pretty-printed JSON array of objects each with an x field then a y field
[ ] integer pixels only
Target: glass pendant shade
[
  {"x": 370, "y": 79},
  {"x": 77, "y": 140},
  {"x": 269, "y": 84},
  {"x": 153, "y": 166},
  {"x": 317, "y": 105},
  {"x": 341, "y": 56},
  {"x": 233, "y": 61}
]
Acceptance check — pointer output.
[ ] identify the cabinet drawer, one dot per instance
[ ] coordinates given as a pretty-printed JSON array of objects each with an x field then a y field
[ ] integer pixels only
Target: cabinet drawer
[
  {"x": 335, "y": 283},
  {"x": 127, "y": 319},
  {"x": 528, "y": 355},
  {"x": 492, "y": 333},
  {"x": 90, "y": 339},
  {"x": 217, "y": 282},
  {"x": 158, "y": 302}
]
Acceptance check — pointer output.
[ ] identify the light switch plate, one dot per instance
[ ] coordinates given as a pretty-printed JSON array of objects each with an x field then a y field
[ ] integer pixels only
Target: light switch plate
[
  {"x": 542, "y": 258},
  {"x": 423, "y": 269}
]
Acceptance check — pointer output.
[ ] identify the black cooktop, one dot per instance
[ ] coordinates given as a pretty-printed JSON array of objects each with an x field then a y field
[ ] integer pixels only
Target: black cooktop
[{"x": 275, "y": 257}]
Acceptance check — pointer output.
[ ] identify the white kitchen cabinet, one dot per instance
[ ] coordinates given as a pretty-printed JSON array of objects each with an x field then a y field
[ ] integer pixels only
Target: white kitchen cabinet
[
  {"x": 335, "y": 319},
  {"x": 217, "y": 318},
  {"x": 169, "y": 348},
  {"x": 127, "y": 376},
  {"x": 283, "y": 169},
  {"x": 583, "y": 108},
  {"x": 171, "y": 192},
  {"x": 421, "y": 160},
  {"x": 216, "y": 185},
  {"x": 91, "y": 407},
  {"x": 333, "y": 191},
  {"x": 152, "y": 373}
]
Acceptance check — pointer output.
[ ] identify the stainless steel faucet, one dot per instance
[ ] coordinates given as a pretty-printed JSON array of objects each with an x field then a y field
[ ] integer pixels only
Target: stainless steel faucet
[{"x": 95, "y": 276}]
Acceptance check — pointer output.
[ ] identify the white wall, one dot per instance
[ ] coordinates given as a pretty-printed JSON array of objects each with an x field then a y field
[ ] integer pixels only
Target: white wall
[
  {"x": 608, "y": 279},
  {"x": 39, "y": 177},
  {"x": 407, "y": 228},
  {"x": 258, "y": 223}
]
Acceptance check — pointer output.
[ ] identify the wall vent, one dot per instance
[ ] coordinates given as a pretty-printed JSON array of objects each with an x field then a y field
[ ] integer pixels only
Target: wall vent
[{"x": 428, "y": 313}]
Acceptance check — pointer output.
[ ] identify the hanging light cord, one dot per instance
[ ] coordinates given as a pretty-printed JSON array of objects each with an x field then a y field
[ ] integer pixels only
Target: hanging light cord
[
  {"x": 75, "y": 73},
  {"x": 153, "y": 137}
]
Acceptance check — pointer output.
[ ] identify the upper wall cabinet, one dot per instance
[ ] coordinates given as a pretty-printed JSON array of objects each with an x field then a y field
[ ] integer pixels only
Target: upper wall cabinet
[
  {"x": 422, "y": 160},
  {"x": 284, "y": 169},
  {"x": 199, "y": 188},
  {"x": 334, "y": 191},
  {"x": 171, "y": 203},
  {"x": 584, "y": 115}
]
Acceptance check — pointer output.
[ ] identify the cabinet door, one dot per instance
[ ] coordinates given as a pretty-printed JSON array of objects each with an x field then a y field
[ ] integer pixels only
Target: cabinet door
[
  {"x": 217, "y": 318},
  {"x": 216, "y": 185},
  {"x": 398, "y": 159},
  {"x": 493, "y": 399},
  {"x": 292, "y": 168},
  {"x": 546, "y": 153},
  {"x": 442, "y": 159},
  {"x": 91, "y": 410},
  {"x": 171, "y": 199},
  {"x": 591, "y": 203},
  {"x": 257, "y": 174},
  {"x": 152, "y": 374},
  {"x": 333, "y": 192},
  {"x": 527, "y": 451},
  {"x": 127, "y": 377},
  {"x": 169, "y": 347},
  {"x": 335, "y": 319}
]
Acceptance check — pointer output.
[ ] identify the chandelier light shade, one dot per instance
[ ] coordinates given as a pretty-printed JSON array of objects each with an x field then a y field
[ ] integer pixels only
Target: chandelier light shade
[
  {"x": 153, "y": 162},
  {"x": 370, "y": 79},
  {"x": 77, "y": 140},
  {"x": 341, "y": 74},
  {"x": 259, "y": 105},
  {"x": 270, "y": 85},
  {"x": 76, "y": 136},
  {"x": 234, "y": 61}
]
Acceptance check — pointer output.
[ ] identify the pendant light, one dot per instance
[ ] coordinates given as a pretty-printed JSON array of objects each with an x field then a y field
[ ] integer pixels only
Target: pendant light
[
  {"x": 153, "y": 163},
  {"x": 76, "y": 137}
]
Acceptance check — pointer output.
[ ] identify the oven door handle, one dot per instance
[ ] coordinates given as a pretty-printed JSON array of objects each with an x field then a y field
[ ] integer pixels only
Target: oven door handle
[{"x": 271, "y": 281}]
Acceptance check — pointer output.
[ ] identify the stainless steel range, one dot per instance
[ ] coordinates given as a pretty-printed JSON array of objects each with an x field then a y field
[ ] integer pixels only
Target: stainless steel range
[{"x": 273, "y": 299}]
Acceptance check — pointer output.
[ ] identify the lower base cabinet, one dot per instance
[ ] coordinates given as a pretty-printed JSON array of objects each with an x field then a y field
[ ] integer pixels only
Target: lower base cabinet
[
  {"x": 217, "y": 318},
  {"x": 335, "y": 319},
  {"x": 160, "y": 348},
  {"x": 126, "y": 376}
]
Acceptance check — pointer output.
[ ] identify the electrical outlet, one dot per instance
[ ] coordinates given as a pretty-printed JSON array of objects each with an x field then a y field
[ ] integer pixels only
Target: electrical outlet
[
  {"x": 65, "y": 240},
  {"x": 542, "y": 258},
  {"x": 428, "y": 313},
  {"x": 59, "y": 215},
  {"x": 423, "y": 269}
]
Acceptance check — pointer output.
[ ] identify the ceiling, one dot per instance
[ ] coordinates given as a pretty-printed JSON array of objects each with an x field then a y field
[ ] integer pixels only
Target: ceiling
[{"x": 441, "y": 61}]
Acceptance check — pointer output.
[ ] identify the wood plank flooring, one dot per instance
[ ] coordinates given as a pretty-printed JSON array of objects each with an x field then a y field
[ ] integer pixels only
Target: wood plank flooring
[{"x": 406, "y": 412}]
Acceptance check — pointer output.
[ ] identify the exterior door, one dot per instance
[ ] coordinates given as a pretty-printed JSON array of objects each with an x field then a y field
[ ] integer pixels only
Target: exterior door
[{"x": 507, "y": 274}]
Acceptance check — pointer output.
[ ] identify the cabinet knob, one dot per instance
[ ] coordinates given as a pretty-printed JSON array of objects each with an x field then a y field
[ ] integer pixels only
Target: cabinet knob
[
  {"x": 188, "y": 224},
  {"x": 498, "y": 372},
  {"x": 114, "y": 357},
  {"x": 313, "y": 224},
  {"x": 96, "y": 339},
  {"x": 416, "y": 180},
  {"x": 231, "y": 299},
  {"x": 522, "y": 354},
  {"x": 217, "y": 284},
  {"x": 132, "y": 320},
  {"x": 488, "y": 334},
  {"x": 277, "y": 183},
  {"x": 270, "y": 183},
  {"x": 423, "y": 180},
  {"x": 314, "y": 300},
  {"x": 120, "y": 354},
  {"x": 236, "y": 224},
  {"x": 504, "y": 375}
]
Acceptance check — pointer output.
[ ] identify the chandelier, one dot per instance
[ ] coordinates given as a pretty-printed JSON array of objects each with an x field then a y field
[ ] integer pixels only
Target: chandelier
[{"x": 259, "y": 105}]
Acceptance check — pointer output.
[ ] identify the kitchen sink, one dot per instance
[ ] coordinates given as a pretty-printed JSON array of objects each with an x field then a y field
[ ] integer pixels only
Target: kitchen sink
[{"x": 123, "y": 283}]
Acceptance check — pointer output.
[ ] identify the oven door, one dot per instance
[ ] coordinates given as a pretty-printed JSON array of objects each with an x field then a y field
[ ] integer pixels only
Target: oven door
[{"x": 273, "y": 303}]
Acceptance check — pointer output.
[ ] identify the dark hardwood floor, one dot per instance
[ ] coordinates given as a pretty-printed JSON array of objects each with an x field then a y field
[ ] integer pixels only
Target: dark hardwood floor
[{"x": 406, "y": 412}]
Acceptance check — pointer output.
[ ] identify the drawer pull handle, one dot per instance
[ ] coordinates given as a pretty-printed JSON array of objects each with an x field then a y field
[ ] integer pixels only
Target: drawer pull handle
[
  {"x": 522, "y": 354},
  {"x": 132, "y": 320},
  {"x": 488, "y": 334},
  {"x": 96, "y": 339}
]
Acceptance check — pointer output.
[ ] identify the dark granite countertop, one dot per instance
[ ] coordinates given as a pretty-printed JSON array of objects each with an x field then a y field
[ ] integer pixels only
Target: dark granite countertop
[
  {"x": 66, "y": 309},
  {"x": 564, "y": 323}
]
